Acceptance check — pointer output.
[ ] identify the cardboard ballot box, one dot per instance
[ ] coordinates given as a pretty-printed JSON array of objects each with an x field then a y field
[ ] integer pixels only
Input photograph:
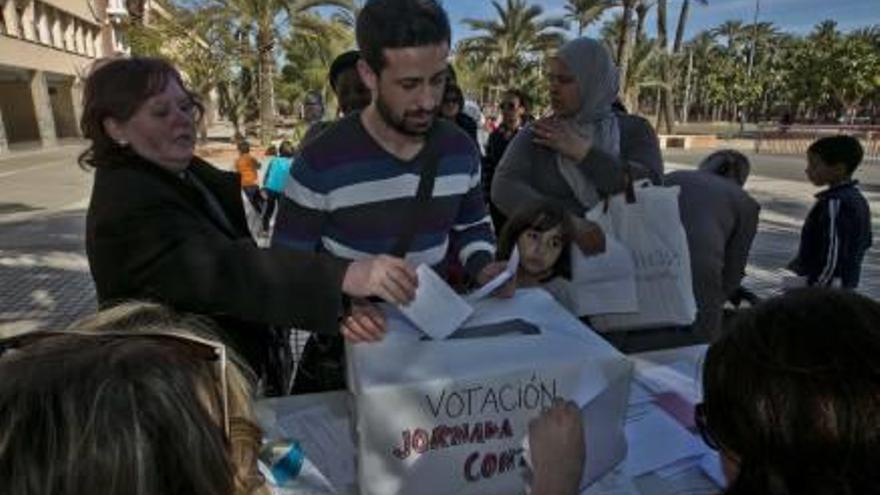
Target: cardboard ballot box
[{"x": 450, "y": 416}]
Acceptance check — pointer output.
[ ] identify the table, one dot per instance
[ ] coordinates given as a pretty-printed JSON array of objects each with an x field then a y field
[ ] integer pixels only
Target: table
[{"x": 681, "y": 477}]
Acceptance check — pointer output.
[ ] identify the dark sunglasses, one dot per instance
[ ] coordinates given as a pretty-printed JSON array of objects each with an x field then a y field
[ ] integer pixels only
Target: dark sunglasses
[
  {"x": 208, "y": 350},
  {"x": 702, "y": 423}
]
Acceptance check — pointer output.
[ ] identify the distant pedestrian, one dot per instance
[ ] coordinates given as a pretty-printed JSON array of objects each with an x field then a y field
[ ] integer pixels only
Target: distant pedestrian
[
  {"x": 247, "y": 166},
  {"x": 277, "y": 173},
  {"x": 837, "y": 231}
]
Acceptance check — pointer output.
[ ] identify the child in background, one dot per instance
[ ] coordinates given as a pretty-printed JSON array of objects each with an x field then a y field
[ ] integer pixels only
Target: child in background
[
  {"x": 247, "y": 167},
  {"x": 543, "y": 234},
  {"x": 277, "y": 172},
  {"x": 837, "y": 231}
]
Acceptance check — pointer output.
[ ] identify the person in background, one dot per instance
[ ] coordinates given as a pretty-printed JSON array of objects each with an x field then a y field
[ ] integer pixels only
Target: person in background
[
  {"x": 165, "y": 226},
  {"x": 513, "y": 109},
  {"x": 248, "y": 167},
  {"x": 452, "y": 108},
  {"x": 837, "y": 231},
  {"x": 579, "y": 154},
  {"x": 351, "y": 93},
  {"x": 791, "y": 396},
  {"x": 277, "y": 173},
  {"x": 720, "y": 219}
]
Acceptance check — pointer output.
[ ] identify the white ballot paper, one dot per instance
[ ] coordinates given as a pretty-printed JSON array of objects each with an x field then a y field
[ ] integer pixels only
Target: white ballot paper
[
  {"x": 499, "y": 280},
  {"x": 437, "y": 310}
]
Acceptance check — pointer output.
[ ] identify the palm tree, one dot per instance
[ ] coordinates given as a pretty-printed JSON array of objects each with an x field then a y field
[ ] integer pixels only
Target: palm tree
[
  {"x": 266, "y": 17},
  {"x": 586, "y": 12},
  {"x": 513, "y": 43},
  {"x": 682, "y": 22},
  {"x": 733, "y": 31},
  {"x": 625, "y": 44}
]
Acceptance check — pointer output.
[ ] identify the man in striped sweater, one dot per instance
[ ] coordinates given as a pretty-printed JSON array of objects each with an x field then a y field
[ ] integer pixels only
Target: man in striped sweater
[{"x": 352, "y": 189}]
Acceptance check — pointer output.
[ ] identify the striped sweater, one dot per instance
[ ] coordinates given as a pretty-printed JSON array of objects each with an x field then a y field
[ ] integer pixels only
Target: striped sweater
[{"x": 351, "y": 198}]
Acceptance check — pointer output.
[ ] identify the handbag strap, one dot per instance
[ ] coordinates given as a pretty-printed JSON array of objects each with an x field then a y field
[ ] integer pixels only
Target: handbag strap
[
  {"x": 628, "y": 188},
  {"x": 423, "y": 194}
]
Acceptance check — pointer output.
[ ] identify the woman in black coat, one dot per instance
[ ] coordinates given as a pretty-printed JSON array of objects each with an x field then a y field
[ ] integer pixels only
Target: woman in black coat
[{"x": 164, "y": 225}]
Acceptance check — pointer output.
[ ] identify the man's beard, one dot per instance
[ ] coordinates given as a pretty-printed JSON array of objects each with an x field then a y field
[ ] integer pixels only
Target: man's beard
[{"x": 400, "y": 124}]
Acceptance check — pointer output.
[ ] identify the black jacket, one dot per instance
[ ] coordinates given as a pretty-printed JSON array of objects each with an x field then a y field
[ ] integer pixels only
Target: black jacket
[
  {"x": 835, "y": 236},
  {"x": 150, "y": 236}
]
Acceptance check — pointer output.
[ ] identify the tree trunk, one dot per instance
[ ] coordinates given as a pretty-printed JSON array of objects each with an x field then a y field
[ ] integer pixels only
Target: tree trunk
[
  {"x": 686, "y": 101},
  {"x": 665, "y": 111},
  {"x": 267, "y": 93},
  {"x": 624, "y": 49},
  {"x": 682, "y": 21}
]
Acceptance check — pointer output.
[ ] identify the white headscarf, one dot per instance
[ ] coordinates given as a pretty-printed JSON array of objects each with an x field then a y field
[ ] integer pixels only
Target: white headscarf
[{"x": 598, "y": 84}]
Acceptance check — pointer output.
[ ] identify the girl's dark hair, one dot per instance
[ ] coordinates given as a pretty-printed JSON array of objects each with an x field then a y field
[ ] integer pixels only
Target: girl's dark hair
[
  {"x": 541, "y": 217},
  {"x": 116, "y": 88},
  {"x": 453, "y": 92},
  {"x": 394, "y": 24},
  {"x": 793, "y": 390},
  {"x": 285, "y": 149}
]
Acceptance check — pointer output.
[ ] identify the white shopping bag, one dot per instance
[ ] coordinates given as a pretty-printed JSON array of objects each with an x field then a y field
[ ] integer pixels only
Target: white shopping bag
[
  {"x": 647, "y": 221},
  {"x": 604, "y": 283}
]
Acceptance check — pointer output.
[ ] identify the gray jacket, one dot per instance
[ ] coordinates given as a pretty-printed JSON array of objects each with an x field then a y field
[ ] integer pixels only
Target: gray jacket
[
  {"x": 720, "y": 220},
  {"x": 528, "y": 172}
]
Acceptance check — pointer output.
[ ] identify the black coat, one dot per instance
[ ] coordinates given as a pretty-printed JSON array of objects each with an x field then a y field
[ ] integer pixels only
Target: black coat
[{"x": 150, "y": 236}]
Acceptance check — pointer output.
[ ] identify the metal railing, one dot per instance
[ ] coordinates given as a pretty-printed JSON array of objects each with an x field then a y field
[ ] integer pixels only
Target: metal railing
[{"x": 777, "y": 139}]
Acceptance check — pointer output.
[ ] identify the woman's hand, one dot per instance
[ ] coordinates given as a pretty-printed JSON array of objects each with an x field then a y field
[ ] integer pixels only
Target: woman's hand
[
  {"x": 559, "y": 135},
  {"x": 387, "y": 277},
  {"x": 366, "y": 323}
]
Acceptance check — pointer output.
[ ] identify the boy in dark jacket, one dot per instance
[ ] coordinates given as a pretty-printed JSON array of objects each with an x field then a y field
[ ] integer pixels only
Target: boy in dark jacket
[{"x": 837, "y": 231}]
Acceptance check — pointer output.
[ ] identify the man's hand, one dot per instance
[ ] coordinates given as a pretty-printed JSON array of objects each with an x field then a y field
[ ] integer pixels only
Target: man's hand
[
  {"x": 588, "y": 236},
  {"x": 491, "y": 271},
  {"x": 389, "y": 278},
  {"x": 366, "y": 323},
  {"x": 559, "y": 136},
  {"x": 556, "y": 439}
]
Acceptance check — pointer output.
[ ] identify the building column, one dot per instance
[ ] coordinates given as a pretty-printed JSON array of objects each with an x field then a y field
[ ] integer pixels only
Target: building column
[
  {"x": 43, "y": 108},
  {"x": 10, "y": 17},
  {"x": 76, "y": 94}
]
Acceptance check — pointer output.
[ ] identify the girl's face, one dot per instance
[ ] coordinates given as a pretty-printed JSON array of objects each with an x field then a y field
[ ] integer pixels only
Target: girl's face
[{"x": 539, "y": 251}]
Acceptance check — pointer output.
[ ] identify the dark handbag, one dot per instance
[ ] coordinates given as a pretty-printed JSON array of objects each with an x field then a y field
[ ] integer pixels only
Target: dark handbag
[{"x": 322, "y": 367}]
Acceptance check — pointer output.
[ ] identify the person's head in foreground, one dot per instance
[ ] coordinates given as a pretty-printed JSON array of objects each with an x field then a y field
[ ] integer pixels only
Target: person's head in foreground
[
  {"x": 543, "y": 233},
  {"x": 135, "y": 401},
  {"x": 792, "y": 396},
  {"x": 404, "y": 47},
  {"x": 730, "y": 164},
  {"x": 833, "y": 160},
  {"x": 138, "y": 106},
  {"x": 350, "y": 91}
]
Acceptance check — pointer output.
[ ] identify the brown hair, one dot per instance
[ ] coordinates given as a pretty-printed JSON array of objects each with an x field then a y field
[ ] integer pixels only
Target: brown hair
[
  {"x": 116, "y": 88},
  {"x": 541, "y": 217}
]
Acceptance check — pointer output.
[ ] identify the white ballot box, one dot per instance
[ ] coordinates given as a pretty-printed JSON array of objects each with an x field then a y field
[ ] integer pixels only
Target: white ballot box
[{"x": 450, "y": 416}]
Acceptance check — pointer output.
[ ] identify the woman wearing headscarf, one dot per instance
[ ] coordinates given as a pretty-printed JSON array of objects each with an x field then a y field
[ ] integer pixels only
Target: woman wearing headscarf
[{"x": 576, "y": 156}]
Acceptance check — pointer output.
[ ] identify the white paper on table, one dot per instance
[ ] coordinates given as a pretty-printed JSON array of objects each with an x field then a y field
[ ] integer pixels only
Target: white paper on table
[
  {"x": 614, "y": 483},
  {"x": 656, "y": 440},
  {"x": 675, "y": 377},
  {"x": 711, "y": 466},
  {"x": 326, "y": 442},
  {"x": 491, "y": 286},
  {"x": 437, "y": 310}
]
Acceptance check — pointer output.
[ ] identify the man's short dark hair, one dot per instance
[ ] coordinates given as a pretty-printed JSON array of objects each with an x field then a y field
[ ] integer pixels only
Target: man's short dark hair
[
  {"x": 342, "y": 63},
  {"x": 839, "y": 149},
  {"x": 399, "y": 24}
]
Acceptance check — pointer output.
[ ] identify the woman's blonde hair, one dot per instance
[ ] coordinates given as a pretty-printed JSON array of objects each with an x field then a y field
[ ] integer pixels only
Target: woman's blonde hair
[{"x": 139, "y": 416}]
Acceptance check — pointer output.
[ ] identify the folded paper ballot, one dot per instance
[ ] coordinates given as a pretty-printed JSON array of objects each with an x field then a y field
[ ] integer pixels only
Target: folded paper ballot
[{"x": 438, "y": 311}]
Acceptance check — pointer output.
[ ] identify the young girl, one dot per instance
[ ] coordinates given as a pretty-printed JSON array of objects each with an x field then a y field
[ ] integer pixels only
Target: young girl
[{"x": 543, "y": 233}]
